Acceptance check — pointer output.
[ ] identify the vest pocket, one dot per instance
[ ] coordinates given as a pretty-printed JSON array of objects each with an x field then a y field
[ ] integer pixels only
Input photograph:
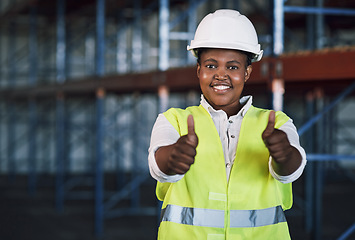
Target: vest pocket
[
  {"x": 215, "y": 237},
  {"x": 217, "y": 196}
]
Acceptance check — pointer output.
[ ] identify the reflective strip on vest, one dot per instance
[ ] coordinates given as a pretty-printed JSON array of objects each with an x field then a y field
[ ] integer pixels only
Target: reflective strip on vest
[
  {"x": 215, "y": 218},
  {"x": 193, "y": 216},
  {"x": 256, "y": 218}
]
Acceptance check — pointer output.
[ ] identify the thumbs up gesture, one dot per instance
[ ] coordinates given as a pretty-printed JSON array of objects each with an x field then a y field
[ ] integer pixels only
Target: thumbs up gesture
[
  {"x": 286, "y": 158},
  {"x": 276, "y": 141},
  {"x": 184, "y": 151},
  {"x": 178, "y": 157}
]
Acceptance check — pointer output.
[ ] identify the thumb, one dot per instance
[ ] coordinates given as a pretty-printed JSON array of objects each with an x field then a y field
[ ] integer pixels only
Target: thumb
[
  {"x": 191, "y": 135},
  {"x": 270, "y": 127}
]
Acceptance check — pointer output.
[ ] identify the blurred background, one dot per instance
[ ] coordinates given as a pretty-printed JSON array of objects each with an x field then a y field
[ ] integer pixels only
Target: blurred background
[{"x": 82, "y": 82}]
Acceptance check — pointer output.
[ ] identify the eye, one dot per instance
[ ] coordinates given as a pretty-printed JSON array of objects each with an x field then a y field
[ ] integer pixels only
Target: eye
[
  {"x": 211, "y": 66},
  {"x": 233, "y": 67}
]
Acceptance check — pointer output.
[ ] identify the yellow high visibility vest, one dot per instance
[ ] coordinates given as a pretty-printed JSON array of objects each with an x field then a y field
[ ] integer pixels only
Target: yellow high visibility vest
[{"x": 203, "y": 205}]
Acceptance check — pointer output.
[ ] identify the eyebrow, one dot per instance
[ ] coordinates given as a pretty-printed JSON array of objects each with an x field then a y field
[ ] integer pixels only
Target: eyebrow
[
  {"x": 234, "y": 61},
  {"x": 210, "y": 60},
  {"x": 215, "y": 61}
]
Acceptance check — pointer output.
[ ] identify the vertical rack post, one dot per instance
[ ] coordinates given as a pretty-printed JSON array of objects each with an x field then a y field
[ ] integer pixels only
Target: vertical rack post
[
  {"x": 12, "y": 54},
  {"x": 11, "y": 167},
  {"x": 61, "y": 43},
  {"x": 136, "y": 171},
  {"x": 191, "y": 27},
  {"x": 164, "y": 35},
  {"x": 32, "y": 163},
  {"x": 278, "y": 27},
  {"x": 31, "y": 102},
  {"x": 100, "y": 38},
  {"x": 137, "y": 45},
  {"x": 99, "y": 70},
  {"x": 318, "y": 174},
  {"x": 278, "y": 37},
  {"x": 1, "y": 79},
  {"x": 320, "y": 26},
  {"x": 60, "y": 135},
  {"x": 33, "y": 47},
  {"x": 11, "y": 130},
  {"x": 310, "y": 28},
  {"x": 99, "y": 176},
  {"x": 309, "y": 171},
  {"x": 60, "y": 127},
  {"x": 163, "y": 93}
]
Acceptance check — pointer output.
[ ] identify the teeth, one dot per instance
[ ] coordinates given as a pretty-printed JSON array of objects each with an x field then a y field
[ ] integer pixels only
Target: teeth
[{"x": 221, "y": 87}]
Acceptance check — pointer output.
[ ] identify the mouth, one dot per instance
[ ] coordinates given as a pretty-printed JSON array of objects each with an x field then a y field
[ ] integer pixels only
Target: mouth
[{"x": 221, "y": 88}]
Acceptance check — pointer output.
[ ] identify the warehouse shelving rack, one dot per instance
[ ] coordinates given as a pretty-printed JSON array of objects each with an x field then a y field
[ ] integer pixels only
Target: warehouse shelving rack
[{"x": 102, "y": 80}]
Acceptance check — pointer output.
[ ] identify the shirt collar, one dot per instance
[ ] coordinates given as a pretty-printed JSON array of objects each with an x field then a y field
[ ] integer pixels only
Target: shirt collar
[{"x": 246, "y": 101}]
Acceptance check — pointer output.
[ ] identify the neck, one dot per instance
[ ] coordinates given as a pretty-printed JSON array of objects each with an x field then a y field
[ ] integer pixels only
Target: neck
[{"x": 229, "y": 110}]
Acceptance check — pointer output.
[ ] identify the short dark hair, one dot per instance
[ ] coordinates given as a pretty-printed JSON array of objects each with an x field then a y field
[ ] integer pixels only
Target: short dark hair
[{"x": 199, "y": 51}]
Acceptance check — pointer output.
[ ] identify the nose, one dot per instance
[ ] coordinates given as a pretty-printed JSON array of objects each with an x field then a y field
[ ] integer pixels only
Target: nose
[{"x": 221, "y": 75}]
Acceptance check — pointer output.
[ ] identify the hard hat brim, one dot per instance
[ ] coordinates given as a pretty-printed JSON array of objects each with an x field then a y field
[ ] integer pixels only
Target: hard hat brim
[{"x": 242, "y": 47}]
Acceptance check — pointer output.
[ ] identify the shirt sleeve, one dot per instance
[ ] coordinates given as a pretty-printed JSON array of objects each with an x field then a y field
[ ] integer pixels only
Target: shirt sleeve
[
  {"x": 163, "y": 134},
  {"x": 290, "y": 129}
]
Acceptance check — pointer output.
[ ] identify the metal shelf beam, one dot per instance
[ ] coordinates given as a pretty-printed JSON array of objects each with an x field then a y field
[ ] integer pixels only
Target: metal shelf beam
[
  {"x": 181, "y": 79},
  {"x": 319, "y": 10}
]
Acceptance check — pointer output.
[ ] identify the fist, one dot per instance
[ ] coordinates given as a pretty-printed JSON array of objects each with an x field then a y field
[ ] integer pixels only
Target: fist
[
  {"x": 276, "y": 141},
  {"x": 184, "y": 150}
]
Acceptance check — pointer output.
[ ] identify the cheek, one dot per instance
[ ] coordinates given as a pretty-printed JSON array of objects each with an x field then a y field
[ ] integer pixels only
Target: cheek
[
  {"x": 204, "y": 75},
  {"x": 239, "y": 79},
  {"x": 205, "y": 78}
]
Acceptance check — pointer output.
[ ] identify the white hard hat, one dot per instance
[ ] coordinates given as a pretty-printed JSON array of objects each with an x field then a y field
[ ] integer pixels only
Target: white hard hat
[{"x": 226, "y": 29}]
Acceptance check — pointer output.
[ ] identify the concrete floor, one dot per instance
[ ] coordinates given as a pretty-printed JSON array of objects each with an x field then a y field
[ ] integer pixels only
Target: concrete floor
[{"x": 25, "y": 217}]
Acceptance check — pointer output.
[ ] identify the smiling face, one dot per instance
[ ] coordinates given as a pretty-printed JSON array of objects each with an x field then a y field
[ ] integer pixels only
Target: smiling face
[{"x": 222, "y": 74}]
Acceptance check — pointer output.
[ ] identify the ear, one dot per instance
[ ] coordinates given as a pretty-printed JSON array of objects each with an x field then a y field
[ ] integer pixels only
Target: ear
[
  {"x": 198, "y": 70},
  {"x": 248, "y": 73}
]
